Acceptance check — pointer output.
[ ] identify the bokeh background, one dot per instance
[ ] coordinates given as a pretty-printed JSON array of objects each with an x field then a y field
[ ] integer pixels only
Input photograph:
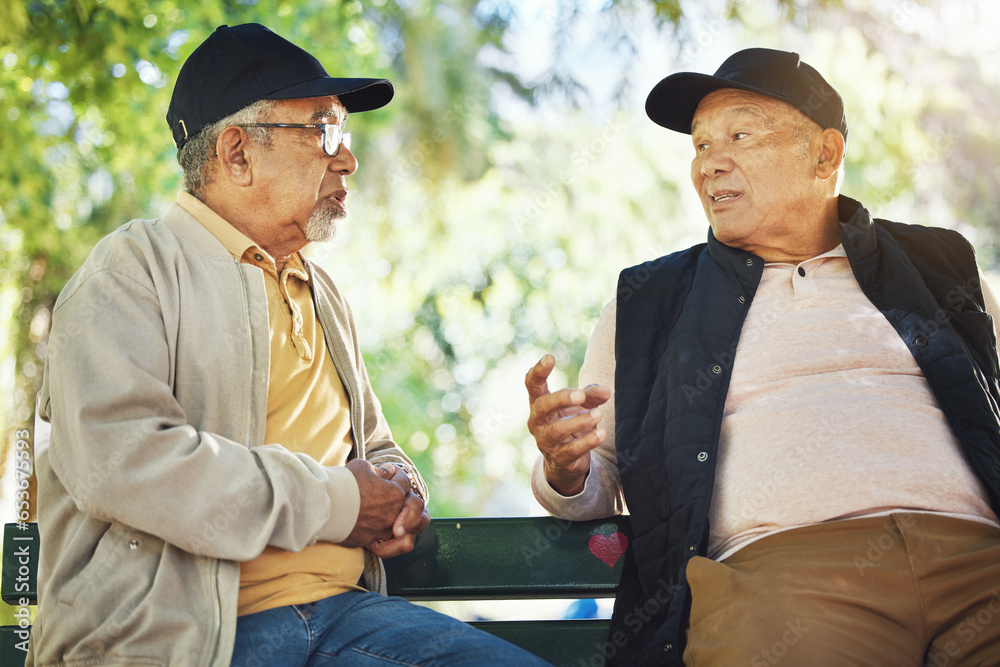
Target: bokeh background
[{"x": 499, "y": 195}]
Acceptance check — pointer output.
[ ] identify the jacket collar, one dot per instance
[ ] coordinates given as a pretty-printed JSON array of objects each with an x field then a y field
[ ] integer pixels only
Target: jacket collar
[
  {"x": 858, "y": 230},
  {"x": 187, "y": 226}
]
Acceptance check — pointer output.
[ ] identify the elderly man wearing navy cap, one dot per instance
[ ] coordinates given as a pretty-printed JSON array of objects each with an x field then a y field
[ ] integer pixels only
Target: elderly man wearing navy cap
[
  {"x": 805, "y": 426},
  {"x": 221, "y": 484}
]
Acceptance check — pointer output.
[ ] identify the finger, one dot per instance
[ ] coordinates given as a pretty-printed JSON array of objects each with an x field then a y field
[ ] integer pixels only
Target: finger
[
  {"x": 408, "y": 519},
  {"x": 379, "y": 547},
  {"x": 574, "y": 452},
  {"x": 381, "y": 536},
  {"x": 536, "y": 381},
  {"x": 567, "y": 428},
  {"x": 400, "y": 478},
  {"x": 597, "y": 395},
  {"x": 425, "y": 520},
  {"x": 395, "y": 474},
  {"x": 396, "y": 546},
  {"x": 555, "y": 405}
]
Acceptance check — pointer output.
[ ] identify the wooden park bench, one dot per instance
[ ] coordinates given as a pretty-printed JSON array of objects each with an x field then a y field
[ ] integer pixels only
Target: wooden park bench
[{"x": 454, "y": 559}]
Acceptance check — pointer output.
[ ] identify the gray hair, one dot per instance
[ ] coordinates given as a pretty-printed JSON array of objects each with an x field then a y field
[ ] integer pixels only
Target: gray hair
[{"x": 195, "y": 156}]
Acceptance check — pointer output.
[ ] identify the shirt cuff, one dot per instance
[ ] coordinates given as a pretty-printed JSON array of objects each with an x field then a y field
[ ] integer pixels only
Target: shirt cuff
[
  {"x": 577, "y": 507},
  {"x": 345, "y": 505}
]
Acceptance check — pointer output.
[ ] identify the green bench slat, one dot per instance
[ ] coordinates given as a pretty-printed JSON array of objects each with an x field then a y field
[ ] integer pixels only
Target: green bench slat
[
  {"x": 454, "y": 559},
  {"x": 564, "y": 643},
  {"x": 20, "y": 564},
  {"x": 510, "y": 558}
]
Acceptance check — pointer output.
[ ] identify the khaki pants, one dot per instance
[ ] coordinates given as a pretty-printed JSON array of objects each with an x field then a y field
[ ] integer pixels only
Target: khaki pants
[{"x": 908, "y": 589}]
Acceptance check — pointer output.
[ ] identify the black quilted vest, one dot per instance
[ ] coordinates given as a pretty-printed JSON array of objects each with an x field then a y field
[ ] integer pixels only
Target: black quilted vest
[{"x": 679, "y": 321}]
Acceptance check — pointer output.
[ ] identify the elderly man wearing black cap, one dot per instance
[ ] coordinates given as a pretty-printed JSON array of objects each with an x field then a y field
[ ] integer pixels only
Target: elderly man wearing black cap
[
  {"x": 805, "y": 426},
  {"x": 220, "y": 483}
]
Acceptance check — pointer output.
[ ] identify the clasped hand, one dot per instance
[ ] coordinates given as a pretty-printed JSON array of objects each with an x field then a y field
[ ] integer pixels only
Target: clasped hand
[
  {"x": 565, "y": 426},
  {"x": 391, "y": 515}
]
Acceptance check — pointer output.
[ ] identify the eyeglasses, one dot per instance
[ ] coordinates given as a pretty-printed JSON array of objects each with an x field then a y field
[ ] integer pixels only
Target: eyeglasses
[{"x": 333, "y": 136}]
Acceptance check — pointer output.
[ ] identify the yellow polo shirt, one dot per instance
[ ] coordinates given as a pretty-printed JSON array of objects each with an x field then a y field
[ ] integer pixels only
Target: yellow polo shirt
[{"x": 307, "y": 411}]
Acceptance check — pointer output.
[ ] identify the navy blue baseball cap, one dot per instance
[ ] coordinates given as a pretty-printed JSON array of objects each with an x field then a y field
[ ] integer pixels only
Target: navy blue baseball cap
[
  {"x": 778, "y": 74},
  {"x": 239, "y": 65}
]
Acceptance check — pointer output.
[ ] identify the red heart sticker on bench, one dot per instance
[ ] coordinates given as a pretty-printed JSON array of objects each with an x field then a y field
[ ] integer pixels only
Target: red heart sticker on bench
[{"x": 609, "y": 548}]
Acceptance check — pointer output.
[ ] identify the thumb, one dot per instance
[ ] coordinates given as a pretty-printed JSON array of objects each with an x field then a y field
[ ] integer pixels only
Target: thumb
[
  {"x": 536, "y": 380},
  {"x": 386, "y": 470}
]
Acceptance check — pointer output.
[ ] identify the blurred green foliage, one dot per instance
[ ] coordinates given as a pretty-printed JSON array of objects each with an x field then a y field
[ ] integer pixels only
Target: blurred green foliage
[{"x": 497, "y": 198}]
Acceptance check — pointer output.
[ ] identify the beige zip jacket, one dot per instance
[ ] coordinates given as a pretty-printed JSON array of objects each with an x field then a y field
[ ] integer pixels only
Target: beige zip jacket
[{"x": 157, "y": 481}]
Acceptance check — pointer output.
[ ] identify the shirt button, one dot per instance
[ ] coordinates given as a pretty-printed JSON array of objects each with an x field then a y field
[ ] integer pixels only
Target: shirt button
[
  {"x": 134, "y": 544},
  {"x": 802, "y": 271},
  {"x": 702, "y": 456}
]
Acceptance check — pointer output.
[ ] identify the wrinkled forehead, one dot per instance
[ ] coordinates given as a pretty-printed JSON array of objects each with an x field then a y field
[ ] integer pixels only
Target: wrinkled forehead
[
  {"x": 326, "y": 109},
  {"x": 735, "y": 103}
]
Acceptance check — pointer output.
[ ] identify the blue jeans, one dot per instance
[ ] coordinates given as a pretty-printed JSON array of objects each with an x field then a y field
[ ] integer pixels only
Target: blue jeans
[{"x": 368, "y": 630}]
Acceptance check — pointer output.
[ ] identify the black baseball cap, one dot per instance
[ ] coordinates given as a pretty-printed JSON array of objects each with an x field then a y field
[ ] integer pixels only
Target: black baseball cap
[
  {"x": 778, "y": 74},
  {"x": 239, "y": 65}
]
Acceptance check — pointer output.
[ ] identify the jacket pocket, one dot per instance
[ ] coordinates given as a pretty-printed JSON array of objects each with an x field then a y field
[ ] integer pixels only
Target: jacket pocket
[
  {"x": 96, "y": 569},
  {"x": 102, "y": 610}
]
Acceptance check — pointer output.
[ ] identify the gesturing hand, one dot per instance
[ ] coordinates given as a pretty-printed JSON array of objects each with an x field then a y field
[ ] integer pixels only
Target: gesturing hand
[{"x": 564, "y": 425}]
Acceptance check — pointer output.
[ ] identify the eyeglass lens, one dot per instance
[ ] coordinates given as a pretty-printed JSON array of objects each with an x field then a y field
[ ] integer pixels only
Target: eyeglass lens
[{"x": 333, "y": 137}]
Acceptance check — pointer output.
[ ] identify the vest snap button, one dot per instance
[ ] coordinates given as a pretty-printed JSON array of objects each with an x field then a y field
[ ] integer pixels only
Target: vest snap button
[
  {"x": 749, "y": 261},
  {"x": 741, "y": 299},
  {"x": 717, "y": 370},
  {"x": 856, "y": 242},
  {"x": 134, "y": 544},
  {"x": 702, "y": 456},
  {"x": 667, "y": 648},
  {"x": 920, "y": 340}
]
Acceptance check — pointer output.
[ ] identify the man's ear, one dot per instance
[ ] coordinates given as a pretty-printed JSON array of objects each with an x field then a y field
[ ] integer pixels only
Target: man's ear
[
  {"x": 235, "y": 155},
  {"x": 831, "y": 155}
]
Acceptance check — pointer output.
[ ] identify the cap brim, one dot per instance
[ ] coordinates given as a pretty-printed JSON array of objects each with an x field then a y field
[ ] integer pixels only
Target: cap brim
[
  {"x": 355, "y": 94},
  {"x": 673, "y": 101}
]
